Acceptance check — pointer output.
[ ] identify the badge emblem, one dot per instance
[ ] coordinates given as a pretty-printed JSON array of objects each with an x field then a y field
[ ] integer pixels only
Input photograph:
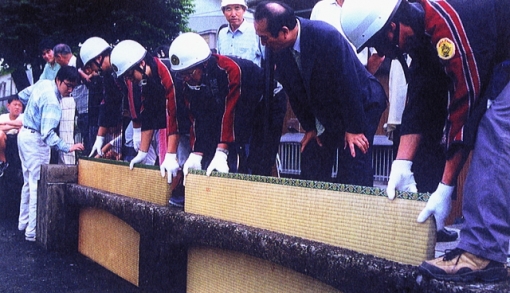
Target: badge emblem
[
  {"x": 174, "y": 60},
  {"x": 445, "y": 49}
]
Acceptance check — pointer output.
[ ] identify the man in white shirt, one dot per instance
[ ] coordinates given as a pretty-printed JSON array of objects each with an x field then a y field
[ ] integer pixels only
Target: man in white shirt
[
  {"x": 10, "y": 123},
  {"x": 238, "y": 38},
  {"x": 65, "y": 57}
]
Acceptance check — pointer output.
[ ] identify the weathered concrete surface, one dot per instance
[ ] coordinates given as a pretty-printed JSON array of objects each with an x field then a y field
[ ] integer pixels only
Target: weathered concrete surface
[
  {"x": 56, "y": 226},
  {"x": 166, "y": 233}
]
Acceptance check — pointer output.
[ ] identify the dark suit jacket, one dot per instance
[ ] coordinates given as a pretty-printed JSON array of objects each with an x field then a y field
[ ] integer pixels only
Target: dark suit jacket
[{"x": 334, "y": 87}]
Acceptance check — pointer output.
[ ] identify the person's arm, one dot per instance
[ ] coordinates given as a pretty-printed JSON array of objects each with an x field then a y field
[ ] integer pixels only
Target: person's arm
[
  {"x": 107, "y": 147},
  {"x": 146, "y": 140},
  {"x": 219, "y": 161},
  {"x": 84, "y": 76},
  {"x": 408, "y": 147},
  {"x": 222, "y": 146},
  {"x": 98, "y": 143},
  {"x": 171, "y": 108},
  {"x": 374, "y": 62},
  {"x": 172, "y": 143},
  {"x": 233, "y": 71},
  {"x": 453, "y": 167},
  {"x": 309, "y": 136},
  {"x": 401, "y": 176},
  {"x": 9, "y": 125},
  {"x": 50, "y": 119}
]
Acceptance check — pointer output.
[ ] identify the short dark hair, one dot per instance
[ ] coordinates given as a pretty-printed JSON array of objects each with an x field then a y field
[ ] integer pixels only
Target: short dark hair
[
  {"x": 161, "y": 51},
  {"x": 46, "y": 44},
  {"x": 13, "y": 98},
  {"x": 68, "y": 73},
  {"x": 61, "y": 49},
  {"x": 408, "y": 14},
  {"x": 276, "y": 17}
]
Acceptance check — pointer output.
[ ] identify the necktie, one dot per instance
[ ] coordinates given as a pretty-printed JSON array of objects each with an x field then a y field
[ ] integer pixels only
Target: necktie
[{"x": 297, "y": 57}]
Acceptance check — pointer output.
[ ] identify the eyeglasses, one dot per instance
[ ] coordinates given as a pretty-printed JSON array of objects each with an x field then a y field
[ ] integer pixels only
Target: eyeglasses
[
  {"x": 69, "y": 85},
  {"x": 184, "y": 75}
]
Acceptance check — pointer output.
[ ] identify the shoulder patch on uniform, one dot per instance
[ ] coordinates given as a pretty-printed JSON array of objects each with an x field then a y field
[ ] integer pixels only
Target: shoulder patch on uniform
[{"x": 445, "y": 49}]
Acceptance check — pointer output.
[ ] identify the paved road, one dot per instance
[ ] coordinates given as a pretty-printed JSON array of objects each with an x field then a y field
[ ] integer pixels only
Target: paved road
[{"x": 27, "y": 267}]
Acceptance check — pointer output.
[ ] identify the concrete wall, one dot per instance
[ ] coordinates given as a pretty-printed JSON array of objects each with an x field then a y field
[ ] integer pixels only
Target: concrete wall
[{"x": 166, "y": 234}]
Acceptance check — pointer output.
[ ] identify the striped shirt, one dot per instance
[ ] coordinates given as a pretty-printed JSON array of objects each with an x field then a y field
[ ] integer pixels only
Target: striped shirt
[
  {"x": 43, "y": 112},
  {"x": 466, "y": 36}
]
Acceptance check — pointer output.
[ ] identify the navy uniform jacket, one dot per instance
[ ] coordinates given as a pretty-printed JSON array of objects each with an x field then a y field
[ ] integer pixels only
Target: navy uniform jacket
[
  {"x": 223, "y": 108},
  {"x": 112, "y": 93},
  {"x": 335, "y": 87},
  {"x": 467, "y": 40}
]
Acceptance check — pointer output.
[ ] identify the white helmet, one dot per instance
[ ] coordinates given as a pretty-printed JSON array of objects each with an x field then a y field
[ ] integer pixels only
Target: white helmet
[
  {"x": 188, "y": 50},
  {"x": 125, "y": 55},
  {"x": 233, "y": 2},
  {"x": 362, "y": 19},
  {"x": 92, "y": 48}
]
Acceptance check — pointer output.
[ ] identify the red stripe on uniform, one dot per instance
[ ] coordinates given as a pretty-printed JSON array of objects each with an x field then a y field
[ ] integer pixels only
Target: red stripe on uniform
[
  {"x": 442, "y": 21},
  {"x": 233, "y": 72}
]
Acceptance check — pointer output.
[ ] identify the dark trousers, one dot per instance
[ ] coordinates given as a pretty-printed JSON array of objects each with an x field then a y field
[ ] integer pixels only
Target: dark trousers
[
  {"x": 317, "y": 162},
  {"x": 87, "y": 130}
]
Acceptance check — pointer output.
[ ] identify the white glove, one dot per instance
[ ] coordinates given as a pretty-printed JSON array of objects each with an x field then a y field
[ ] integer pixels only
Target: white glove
[
  {"x": 194, "y": 161},
  {"x": 439, "y": 205},
  {"x": 137, "y": 138},
  {"x": 401, "y": 178},
  {"x": 140, "y": 157},
  {"x": 219, "y": 163},
  {"x": 98, "y": 144},
  {"x": 169, "y": 165}
]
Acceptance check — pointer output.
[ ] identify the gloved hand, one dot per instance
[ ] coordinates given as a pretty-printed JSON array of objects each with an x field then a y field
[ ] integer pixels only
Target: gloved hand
[
  {"x": 140, "y": 157},
  {"x": 194, "y": 161},
  {"x": 169, "y": 165},
  {"x": 98, "y": 144},
  {"x": 439, "y": 205},
  {"x": 137, "y": 138},
  {"x": 219, "y": 163},
  {"x": 401, "y": 178}
]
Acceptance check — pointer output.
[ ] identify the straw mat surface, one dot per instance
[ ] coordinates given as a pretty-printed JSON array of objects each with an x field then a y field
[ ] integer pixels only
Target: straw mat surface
[
  {"x": 216, "y": 270},
  {"x": 110, "y": 242},
  {"x": 143, "y": 182},
  {"x": 353, "y": 217}
]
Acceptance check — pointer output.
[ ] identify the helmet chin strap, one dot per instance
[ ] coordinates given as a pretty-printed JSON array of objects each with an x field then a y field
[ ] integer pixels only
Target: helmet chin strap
[
  {"x": 144, "y": 75},
  {"x": 99, "y": 64}
]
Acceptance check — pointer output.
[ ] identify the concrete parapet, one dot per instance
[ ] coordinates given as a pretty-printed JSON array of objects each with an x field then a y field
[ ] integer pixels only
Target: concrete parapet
[{"x": 167, "y": 233}]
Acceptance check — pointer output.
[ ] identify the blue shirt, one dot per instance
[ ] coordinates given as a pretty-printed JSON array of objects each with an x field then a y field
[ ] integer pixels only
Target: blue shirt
[
  {"x": 43, "y": 111},
  {"x": 242, "y": 43},
  {"x": 49, "y": 71}
]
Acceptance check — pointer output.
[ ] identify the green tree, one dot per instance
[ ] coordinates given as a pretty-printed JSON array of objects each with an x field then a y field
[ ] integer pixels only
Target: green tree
[{"x": 24, "y": 23}]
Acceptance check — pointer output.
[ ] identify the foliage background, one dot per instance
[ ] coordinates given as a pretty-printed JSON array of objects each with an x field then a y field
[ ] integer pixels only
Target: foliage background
[{"x": 24, "y": 23}]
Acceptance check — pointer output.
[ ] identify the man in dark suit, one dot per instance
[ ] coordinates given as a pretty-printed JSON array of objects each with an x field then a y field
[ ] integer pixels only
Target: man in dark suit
[{"x": 337, "y": 101}]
